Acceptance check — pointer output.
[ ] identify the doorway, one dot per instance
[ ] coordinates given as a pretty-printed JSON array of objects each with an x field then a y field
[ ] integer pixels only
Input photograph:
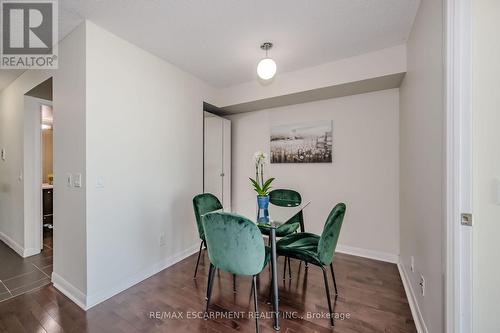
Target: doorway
[
  {"x": 32, "y": 269},
  {"x": 217, "y": 158},
  {"x": 39, "y": 119}
]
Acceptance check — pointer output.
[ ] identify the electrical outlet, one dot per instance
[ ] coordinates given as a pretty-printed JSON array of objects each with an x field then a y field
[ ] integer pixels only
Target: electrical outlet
[
  {"x": 422, "y": 285},
  {"x": 412, "y": 263},
  {"x": 163, "y": 239}
]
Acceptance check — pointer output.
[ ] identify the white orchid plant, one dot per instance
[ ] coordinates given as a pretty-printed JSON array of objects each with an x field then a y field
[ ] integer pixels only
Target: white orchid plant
[{"x": 260, "y": 186}]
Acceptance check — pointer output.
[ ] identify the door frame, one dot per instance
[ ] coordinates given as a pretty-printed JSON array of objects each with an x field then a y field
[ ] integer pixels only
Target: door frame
[
  {"x": 39, "y": 157},
  {"x": 225, "y": 158},
  {"x": 458, "y": 181},
  {"x": 38, "y": 164},
  {"x": 33, "y": 170}
]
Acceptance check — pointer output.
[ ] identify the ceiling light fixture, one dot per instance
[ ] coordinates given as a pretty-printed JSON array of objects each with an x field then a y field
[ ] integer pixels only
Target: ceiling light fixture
[{"x": 266, "y": 67}]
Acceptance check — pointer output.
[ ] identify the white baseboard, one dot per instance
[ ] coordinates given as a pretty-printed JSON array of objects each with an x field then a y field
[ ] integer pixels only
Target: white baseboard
[
  {"x": 101, "y": 296},
  {"x": 18, "y": 248},
  {"x": 12, "y": 244},
  {"x": 371, "y": 254},
  {"x": 69, "y": 290},
  {"x": 30, "y": 252},
  {"x": 412, "y": 300}
]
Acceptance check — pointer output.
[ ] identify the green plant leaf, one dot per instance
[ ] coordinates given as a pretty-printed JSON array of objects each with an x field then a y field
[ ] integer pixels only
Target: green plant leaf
[
  {"x": 255, "y": 184},
  {"x": 256, "y": 187},
  {"x": 267, "y": 184}
]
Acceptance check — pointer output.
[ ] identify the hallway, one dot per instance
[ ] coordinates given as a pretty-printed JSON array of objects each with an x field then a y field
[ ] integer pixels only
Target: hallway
[{"x": 19, "y": 275}]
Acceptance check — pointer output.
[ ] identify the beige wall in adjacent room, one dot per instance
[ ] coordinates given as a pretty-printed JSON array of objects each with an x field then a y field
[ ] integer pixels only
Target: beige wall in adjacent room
[
  {"x": 47, "y": 154},
  {"x": 421, "y": 163},
  {"x": 364, "y": 172}
]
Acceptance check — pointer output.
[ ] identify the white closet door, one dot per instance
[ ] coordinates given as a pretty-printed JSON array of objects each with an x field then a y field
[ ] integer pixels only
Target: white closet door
[
  {"x": 213, "y": 151},
  {"x": 226, "y": 165},
  {"x": 217, "y": 160}
]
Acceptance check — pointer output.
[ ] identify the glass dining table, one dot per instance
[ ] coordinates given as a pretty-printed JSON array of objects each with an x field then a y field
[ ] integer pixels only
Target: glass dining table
[{"x": 273, "y": 218}]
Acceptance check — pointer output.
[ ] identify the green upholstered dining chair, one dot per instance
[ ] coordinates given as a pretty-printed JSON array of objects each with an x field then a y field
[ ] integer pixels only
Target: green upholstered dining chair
[
  {"x": 235, "y": 245},
  {"x": 202, "y": 204},
  {"x": 285, "y": 198},
  {"x": 316, "y": 250}
]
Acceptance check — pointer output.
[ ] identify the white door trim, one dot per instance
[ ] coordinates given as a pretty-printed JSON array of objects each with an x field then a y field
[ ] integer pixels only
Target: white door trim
[
  {"x": 34, "y": 229},
  {"x": 458, "y": 242}
]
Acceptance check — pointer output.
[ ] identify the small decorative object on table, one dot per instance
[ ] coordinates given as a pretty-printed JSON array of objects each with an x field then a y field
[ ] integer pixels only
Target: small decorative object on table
[{"x": 261, "y": 187}]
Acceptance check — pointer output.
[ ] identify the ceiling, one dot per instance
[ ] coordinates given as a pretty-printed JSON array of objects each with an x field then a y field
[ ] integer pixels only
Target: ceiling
[
  {"x": 218, "y": 41},
  {"x": 43, "y": 90},
  {"x": 8, "y": 75}
]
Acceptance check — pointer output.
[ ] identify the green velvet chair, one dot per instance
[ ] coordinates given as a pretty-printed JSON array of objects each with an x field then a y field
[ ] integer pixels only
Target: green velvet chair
[
  {"x": 285, "y": 198},
  {"x": 316, "y": 250},
  {"x": 235, "y": 245},
  {"x": 202, "y": 204}
]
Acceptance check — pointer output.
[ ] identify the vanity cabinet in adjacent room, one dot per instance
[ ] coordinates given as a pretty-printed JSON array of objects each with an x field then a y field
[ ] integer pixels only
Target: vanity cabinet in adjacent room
[{"x": 47, "y": 206}]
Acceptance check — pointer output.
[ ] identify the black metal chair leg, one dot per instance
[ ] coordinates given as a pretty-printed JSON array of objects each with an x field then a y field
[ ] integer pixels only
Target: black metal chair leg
[
  {"x": 334, "y": 282},
  {"x": 289, "y": 269},
  {"x": 209, "y": 288},
  {"x": 269, "y": 244},
  {"x": 210, "y": 274},
  {"x": 198, "y": 261},
  {"x": 256, "y": 303},
  {"x": 325, "y": 277},
  {"x": 270, "y": 300},
  {"x": 284, "y": 267},
  {"x": 234, "y": 283}
]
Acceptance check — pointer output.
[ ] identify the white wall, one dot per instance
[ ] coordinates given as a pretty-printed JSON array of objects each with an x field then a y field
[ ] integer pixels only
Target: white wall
[
  {"x": 421, "y": 162},
  {"x": 486, "y": 164},
  {"x": 131, "y": 121},
  {"x": 70, "y": 243},
  {"x": 144, "y": 144},
  {"x": 364, "y": 172}
]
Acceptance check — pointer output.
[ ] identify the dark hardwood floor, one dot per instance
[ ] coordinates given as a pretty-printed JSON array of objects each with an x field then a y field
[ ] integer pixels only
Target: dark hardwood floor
[{"x": 371, "y": 294}]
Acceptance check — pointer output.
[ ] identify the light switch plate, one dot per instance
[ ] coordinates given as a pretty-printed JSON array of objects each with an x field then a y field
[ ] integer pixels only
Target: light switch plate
[
  {"x": 99, "y": 183},
  {"x": 69, "y": 180},
  {"x": 77, "y": 180}
]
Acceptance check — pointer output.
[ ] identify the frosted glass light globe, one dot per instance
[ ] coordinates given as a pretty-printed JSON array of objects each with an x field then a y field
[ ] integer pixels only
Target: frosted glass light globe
[{"x": 266, "y": 68}]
